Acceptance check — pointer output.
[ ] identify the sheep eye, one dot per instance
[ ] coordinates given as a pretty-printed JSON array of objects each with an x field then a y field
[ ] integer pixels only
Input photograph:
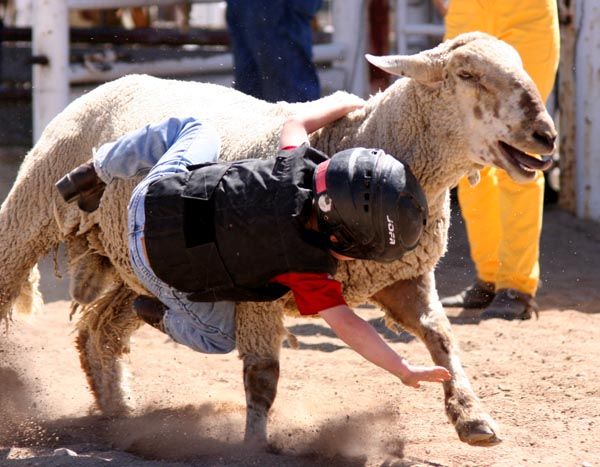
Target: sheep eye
[{"x": 465, "y": 75}]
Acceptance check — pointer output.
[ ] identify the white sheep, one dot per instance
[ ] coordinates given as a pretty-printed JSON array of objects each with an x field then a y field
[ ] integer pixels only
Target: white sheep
[{"x": 468, "y": 103}]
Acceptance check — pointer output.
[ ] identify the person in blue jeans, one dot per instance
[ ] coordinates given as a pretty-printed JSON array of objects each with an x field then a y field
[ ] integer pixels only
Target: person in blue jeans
[
  {"x": 204, "y": 235},
  {"x": 272, "y": 48}
]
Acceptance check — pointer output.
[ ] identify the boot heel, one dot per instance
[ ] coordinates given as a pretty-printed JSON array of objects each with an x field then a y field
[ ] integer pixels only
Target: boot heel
[
  {"x": 83, "y": 185},
  {"x": 150, "y": 310},
  {"x": 67, "y": 189}
]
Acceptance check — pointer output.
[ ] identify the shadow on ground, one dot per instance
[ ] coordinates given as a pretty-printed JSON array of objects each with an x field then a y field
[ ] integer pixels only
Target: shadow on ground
[{"x": 569, "y": 263}]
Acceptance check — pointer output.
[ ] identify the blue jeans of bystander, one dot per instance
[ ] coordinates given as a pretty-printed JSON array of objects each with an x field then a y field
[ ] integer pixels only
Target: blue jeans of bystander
[{"x": 272, "y": 48}]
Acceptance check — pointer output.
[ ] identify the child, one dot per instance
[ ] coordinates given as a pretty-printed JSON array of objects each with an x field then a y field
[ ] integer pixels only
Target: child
[{"x": 203, "y": 235}]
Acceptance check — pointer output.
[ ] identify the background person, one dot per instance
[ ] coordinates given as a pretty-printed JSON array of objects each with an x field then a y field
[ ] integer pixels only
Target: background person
[
  {"x": 504, "y": 218},
  {"x": 272, "y": 48}
]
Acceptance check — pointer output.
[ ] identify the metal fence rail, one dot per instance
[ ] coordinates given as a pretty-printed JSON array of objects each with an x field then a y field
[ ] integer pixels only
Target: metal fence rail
[{"x": 53, "y": 74}]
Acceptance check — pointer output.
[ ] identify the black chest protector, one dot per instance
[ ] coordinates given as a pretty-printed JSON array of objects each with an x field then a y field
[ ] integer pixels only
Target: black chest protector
[{"x": 223, "y": 231}]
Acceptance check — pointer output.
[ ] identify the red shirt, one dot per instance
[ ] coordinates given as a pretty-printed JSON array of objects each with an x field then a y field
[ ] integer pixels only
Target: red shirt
[{"x": 313, "y": 291}]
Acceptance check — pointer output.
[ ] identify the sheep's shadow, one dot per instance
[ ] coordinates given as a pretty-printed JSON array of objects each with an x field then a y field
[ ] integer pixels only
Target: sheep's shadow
[
  {"x": 569, "y": 259},
  {"x": 316, "y": 329},
  {"x": 388, "y": 334},
  {"x": 326, "y": 347},
  {"x": 466, "y": 316}
]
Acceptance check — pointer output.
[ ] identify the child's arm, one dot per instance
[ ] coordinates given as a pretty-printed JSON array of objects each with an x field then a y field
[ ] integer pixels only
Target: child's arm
[
  {"x": 361, "y": 337},
  {"x": 295, "y": 130}
]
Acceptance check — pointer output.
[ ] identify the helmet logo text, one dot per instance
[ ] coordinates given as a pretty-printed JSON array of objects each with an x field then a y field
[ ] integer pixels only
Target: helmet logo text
[{"x": 390, "y": 226}]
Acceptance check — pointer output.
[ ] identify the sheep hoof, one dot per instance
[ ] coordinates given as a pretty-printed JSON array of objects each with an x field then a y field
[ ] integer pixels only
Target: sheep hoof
[
  {"x": 257, "y": 444},
  {"x": 478, "y": 433},
  {"x": 117, "y": 410}
]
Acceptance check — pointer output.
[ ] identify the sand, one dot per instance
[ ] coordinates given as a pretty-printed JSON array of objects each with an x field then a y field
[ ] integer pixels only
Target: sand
[{"x": 538, "y": 379}]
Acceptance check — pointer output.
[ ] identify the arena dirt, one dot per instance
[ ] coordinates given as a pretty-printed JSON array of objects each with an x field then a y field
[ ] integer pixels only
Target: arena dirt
[{"x": 538, "y": 379}]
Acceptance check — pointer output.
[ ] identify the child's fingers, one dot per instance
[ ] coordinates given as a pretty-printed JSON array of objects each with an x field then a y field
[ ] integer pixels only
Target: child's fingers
[
  {"x": 352, "y": 102},
  {"x": 443, "y": 373},
  {"x": 433, "y": 379},
  {"x": 351, "y": 108},
  {"x": 437, "y": 374},
  {"x": 354, "y": 99},
  {"x": 437, "y": 371}
]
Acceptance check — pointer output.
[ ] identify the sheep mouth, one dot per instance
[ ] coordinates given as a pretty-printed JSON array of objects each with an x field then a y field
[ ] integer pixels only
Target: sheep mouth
[{"x": 526, "y": 164}]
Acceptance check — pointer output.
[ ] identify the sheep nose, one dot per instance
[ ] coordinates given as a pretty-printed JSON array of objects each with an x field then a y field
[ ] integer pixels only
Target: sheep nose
[{"x": 547, "y": 138}]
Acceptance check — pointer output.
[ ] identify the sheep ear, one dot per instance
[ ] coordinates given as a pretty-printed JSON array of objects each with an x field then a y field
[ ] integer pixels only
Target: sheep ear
[{"x": 420, "y": 67}]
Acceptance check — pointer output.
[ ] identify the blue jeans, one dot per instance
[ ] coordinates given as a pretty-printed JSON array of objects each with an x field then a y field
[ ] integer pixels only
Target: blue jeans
[
  {"x": 158, "y": 150},
  {"x": 272, "y": 48}
]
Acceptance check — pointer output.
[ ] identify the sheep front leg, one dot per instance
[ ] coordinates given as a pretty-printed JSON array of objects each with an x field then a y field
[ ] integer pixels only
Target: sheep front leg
[
  {"x": 415, "y": 305},
  {"x": 259, "y": 335},
  {"x": 105, "y": 329},
  {"x": 261, "y": 376}
]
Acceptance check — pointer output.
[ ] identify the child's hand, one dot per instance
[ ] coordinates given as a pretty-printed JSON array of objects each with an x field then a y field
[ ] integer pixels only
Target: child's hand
[
  {"x": 349, "y": 102},
  {"x": 431, "y": 374},
  {"x": 317, "y": 114},
  {"x": 365, "y": 340}
]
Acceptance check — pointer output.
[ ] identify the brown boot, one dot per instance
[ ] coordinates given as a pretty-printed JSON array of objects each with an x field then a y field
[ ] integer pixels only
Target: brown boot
[
  {"x": 150, "y": 310},
  {"x": 511, "y": 304},
  {"x": 478, "y": 295},
  {"x": 83, "y": 185}
]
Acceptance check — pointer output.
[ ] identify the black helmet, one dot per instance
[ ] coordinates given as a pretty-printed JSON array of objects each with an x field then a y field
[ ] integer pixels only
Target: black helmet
[{"x": 371, "y": 202}]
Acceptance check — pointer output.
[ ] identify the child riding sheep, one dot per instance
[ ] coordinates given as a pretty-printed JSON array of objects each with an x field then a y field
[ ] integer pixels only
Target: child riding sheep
[{"x": 203, "y": 235}]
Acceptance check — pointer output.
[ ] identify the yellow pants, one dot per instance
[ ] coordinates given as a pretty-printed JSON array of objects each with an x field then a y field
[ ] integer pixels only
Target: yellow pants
[{"x": 504, "y": 218}]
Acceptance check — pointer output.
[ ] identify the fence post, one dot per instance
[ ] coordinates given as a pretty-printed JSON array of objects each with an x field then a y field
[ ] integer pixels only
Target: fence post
[
  {"x": 566, "y": 104},
  {"x": 50, "y": 47},
  {"x": 587, "y": 102},
  {"x": 401, "y": 21},
  {"x": 350, "y": 30}
]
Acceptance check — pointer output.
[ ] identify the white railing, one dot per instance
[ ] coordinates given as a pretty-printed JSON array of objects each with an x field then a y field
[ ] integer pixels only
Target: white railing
[
  {"x": 53, "y": 76},
  {"x": 50, "y": 81},
  {"x": 407, "y": 26},
  {"x": 586, "y": 72},
  {"x": 107, "y": 4}
]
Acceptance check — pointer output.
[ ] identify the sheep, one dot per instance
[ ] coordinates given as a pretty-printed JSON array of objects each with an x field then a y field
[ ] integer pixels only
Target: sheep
[{"x": 466, "y": 103}]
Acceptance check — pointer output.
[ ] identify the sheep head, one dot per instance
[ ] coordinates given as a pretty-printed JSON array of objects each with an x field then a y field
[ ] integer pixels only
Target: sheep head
[{"x": 503, "y": 114}]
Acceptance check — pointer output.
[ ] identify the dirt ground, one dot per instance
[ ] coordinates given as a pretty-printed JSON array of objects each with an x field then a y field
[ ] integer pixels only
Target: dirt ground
[{"x": 538, "y": 379}]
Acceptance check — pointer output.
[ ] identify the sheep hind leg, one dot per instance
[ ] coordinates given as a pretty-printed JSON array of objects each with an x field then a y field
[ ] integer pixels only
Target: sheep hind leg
[
  {"x": 415, "y": 305},
  {"x": 260, "y": 332},
  {"x": 105, "y": 329}
]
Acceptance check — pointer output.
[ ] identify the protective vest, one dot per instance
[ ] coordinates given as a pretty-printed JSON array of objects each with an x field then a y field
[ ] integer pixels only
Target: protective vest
[{"x": 223, "y": 231}]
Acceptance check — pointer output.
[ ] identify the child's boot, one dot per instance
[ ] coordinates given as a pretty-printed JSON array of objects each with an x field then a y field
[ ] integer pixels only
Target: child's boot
[
  {"x": 150, "y": 310},
  {"x": 83, "y": 185}
]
